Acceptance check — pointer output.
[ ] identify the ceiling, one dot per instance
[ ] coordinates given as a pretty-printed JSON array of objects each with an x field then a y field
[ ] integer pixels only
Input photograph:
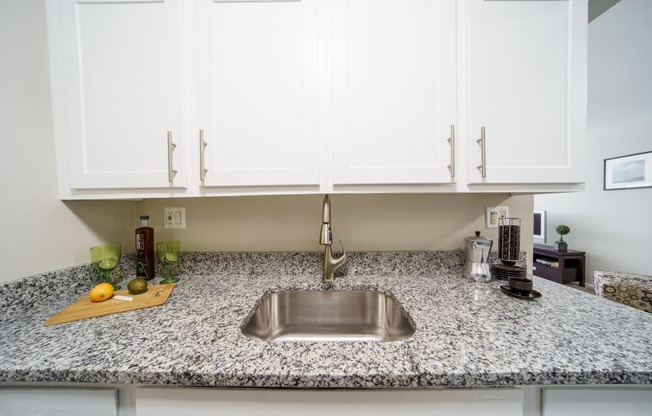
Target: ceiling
[{"x": 597, "y": 7}]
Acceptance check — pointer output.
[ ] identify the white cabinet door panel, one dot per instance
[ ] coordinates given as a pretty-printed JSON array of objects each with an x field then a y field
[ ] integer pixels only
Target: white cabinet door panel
[
  {"x": 258, "y": 99},
  {"x": 45, "y": 401},
  {"x": 597, "y": 401},
  {"x": 528, "y": 88},
  {"x": 393, "y": 91},
  {"x": 277, "y": 402},
  {"x": 122, "y": 69}
]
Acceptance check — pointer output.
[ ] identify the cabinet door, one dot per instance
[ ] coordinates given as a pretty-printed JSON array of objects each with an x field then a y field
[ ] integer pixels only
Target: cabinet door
[
  {"x": 118, "y": 92},
  {"x": 257, "y": 95},
  {"x": 44, "y": 401},
  {"x": 280, "y": 402},
  {"x": 394, "y": 91},
  {"x": 597, "y": 401},
  {"x": 527, "y": 88}
]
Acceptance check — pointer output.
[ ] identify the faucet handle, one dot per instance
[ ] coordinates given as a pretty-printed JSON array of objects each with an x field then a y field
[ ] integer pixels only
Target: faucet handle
[{"x": 343, "y": 253}]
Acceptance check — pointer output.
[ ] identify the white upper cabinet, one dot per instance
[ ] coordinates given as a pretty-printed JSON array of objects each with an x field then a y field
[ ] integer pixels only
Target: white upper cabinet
[
  {"x": 117, "y": 80},
  {"x": 527, "y": 89},
  {"x": 394, "y": 91},
  {"x": 295, "y": 96},
  {"x": 258, "y": 92}
]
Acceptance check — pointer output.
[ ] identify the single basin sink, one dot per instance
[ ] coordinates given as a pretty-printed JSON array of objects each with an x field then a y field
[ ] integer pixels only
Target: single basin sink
[{"x": 328, "y": 316}]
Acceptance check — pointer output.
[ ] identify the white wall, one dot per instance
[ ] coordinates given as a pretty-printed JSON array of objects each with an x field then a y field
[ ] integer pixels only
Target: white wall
[
  {"x": 613, "y": 227},
  {"x": 39, "y": 233}
]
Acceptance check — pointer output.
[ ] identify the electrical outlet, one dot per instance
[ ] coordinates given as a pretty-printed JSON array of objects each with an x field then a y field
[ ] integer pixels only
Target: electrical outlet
[
  {"x": 493, "y": 214},
  {"x": 174, "y": 218}
]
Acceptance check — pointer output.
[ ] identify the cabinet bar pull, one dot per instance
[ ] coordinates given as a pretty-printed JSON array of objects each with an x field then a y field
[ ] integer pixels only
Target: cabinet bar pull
[
  {"x": 483, "y": 144},
  {"x": 202, "y": 146},
  {"x": 171, "y": 172},
  {"x": 451, "y": 141}
]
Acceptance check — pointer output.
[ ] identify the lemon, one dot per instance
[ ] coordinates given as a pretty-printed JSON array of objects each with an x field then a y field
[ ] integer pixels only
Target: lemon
[
  {"x": 107, "y": 264},
  {"x": 171, "y": 257},
  {"x": 137, "y": 286},
  {"x": 102, "y": 292}
]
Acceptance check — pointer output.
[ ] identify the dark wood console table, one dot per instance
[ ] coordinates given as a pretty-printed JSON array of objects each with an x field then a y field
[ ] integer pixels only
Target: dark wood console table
[{"x": 558, "y": 266}]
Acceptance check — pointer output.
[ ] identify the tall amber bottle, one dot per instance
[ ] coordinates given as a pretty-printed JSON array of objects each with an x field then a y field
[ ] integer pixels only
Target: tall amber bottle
[{"x": 145, "y": 257}]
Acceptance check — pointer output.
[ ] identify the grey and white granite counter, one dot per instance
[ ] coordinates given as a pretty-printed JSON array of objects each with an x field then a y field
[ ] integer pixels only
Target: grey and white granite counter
[{"x": 468, "y": 334}]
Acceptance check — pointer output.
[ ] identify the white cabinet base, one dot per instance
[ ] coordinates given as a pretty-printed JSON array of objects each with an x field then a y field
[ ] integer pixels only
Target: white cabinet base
[
  {"x": 597, "y": 401},
  {"x": 53, "y": 401},
  {"x": 272, "y": 402}
]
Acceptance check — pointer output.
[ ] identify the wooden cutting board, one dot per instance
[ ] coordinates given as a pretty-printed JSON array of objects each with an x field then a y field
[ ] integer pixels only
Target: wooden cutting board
[{"x": 84, "y": 308}]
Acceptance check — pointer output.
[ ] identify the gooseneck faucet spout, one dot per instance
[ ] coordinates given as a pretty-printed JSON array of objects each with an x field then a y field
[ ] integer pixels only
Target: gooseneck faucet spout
[{"x": 331, "y": 262}]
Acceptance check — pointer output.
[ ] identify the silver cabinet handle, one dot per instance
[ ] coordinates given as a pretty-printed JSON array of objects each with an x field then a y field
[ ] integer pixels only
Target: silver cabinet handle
[
  {"x": 483, "y": 144},
  {"x": 451, "y": 141},
  {"x": 171, "y": 172},
  {"x": 202, "y": 146}
]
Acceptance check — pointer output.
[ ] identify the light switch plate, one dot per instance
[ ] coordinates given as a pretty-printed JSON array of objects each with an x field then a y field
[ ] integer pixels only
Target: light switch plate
[
  {"x": 493, "y": 214},
  {"x": 174, "y": 217}
]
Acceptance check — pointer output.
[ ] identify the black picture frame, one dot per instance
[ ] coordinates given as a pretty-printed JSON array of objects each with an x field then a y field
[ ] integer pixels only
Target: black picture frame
[{"x": 628, "y": 172}]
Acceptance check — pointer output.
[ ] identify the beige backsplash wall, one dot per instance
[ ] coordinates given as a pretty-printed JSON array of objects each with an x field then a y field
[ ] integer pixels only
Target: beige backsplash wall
[{"x": 374, "y": 222}]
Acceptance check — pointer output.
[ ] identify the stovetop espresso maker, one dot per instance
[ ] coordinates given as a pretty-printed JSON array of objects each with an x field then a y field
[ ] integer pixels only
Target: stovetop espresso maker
[{"x": 477, "y": 255}]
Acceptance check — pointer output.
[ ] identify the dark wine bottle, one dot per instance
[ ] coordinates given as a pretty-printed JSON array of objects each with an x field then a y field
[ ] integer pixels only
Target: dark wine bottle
[{"x": 145, "y": 257}]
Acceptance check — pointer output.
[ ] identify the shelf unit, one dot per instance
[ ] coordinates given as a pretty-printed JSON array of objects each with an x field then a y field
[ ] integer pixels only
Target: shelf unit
[{"x": 569, "y": 264}]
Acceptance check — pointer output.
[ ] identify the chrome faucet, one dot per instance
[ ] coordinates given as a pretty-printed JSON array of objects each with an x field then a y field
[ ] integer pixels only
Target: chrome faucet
[{"x": 331, "y": 263}]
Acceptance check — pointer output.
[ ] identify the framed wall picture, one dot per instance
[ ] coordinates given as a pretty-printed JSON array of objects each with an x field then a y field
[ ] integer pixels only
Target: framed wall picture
[
  {"x": 628, "y": 172},
  {"x": 539, "y": 226}
]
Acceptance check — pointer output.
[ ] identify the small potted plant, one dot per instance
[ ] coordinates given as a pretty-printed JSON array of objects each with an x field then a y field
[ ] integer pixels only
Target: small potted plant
[{"x": 562, "y": 230}]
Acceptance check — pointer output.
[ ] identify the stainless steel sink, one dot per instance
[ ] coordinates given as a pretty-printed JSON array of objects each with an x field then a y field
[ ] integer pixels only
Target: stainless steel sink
[{"x": 328, "y": 316}]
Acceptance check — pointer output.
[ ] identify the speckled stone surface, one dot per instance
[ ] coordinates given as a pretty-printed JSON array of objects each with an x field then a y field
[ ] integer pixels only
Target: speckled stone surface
[{"x": 468, "y": 334}]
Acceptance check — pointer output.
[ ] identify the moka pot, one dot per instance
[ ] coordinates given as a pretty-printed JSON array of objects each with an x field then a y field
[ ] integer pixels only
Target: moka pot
[{"x": 476, "y": 266}]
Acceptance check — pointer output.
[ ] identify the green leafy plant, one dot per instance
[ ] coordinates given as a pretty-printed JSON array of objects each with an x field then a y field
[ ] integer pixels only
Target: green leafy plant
[{"x": 562, "y": 230}]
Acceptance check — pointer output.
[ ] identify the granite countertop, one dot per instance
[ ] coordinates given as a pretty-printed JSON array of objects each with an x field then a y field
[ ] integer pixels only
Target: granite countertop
[{"x": 468, "y": 334}]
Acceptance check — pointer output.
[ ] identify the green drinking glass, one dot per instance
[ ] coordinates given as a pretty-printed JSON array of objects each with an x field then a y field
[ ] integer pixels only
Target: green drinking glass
[
  {"x": 105, "y": 259},
  {"x": 168, "y": 254}
]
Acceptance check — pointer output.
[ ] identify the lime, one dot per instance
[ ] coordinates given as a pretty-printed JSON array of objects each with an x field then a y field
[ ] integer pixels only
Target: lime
[
  {"x": 137, "y": 286},
  {"x": 171, "y": 258},
  {"x": 107, "y": 264}
]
